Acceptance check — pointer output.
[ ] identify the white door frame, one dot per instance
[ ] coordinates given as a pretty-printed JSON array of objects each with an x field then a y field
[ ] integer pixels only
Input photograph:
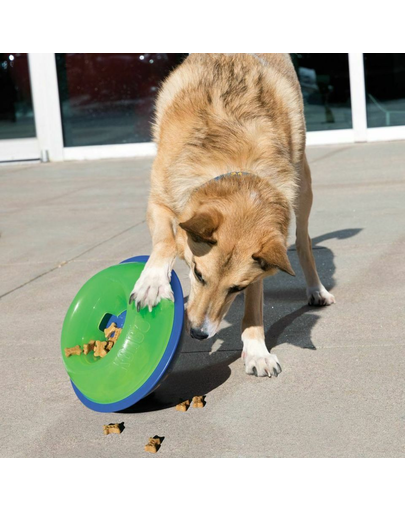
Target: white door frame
[
  {"x": 49, "y": 141},
  {"x": 13, "y": 150},
  {"x": 45, "y": 93}
]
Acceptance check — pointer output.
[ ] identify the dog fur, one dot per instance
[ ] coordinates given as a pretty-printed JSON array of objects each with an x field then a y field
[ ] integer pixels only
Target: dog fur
[{"x": 238, "y": 116}]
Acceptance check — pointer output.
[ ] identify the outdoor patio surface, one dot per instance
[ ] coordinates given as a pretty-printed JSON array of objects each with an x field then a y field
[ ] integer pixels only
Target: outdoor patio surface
[{"x": 341, "y": 392}]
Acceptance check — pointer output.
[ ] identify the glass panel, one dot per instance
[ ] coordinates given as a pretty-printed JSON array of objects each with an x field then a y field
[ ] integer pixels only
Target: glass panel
[
  {"x": 108, "y": 98},
  {"x": 325, "y": 84},
  {"x": 385, "y": 89},
  {"x": 16, "y": 111}
]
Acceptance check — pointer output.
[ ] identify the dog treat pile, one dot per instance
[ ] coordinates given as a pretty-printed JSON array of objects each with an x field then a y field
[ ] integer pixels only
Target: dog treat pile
[
  {"x": 155, "y": 442},
  {"x": 100, "y": 348},
  {"x": 112, "y": 428}
]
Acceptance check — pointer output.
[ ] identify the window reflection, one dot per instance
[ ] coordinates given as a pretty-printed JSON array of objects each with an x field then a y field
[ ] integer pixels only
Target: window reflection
[
  {"x": 16, "y": 111},
  {"x": 325, "y": 84},
  {"x": 108, "y": 98},
  {"x": 385, "y": 88}
]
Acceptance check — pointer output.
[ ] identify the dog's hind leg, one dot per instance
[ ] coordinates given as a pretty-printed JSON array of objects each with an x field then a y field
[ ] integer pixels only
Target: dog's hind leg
[
  {"x": 255, "y": 354},
  {"x": 316, "y": 292},
  {"x": 154, "y": 282}
]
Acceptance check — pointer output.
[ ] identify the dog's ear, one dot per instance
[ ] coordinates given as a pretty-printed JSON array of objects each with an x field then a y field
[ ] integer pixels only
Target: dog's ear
[
  {"x": 202, "y": 226},
  {"x": 274, "y": 254}
]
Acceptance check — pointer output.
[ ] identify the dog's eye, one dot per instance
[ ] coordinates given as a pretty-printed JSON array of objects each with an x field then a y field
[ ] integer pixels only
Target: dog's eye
[
  {"x": 236, "y": 289},
  {"x": 198, "y": 275}
]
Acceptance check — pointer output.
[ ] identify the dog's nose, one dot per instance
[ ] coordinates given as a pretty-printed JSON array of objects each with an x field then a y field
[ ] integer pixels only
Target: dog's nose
[{"x": 198, "y": 334}]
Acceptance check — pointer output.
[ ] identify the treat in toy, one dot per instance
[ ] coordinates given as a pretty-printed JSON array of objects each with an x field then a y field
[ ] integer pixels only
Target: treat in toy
[
  {"x": 146, "y": 343},
  {"x": 112, "y": 428},
  {"x": 198, "y": 402},
  {"x": 109, "y": 346},
  {"x": 88, "y": 347},
  {"x": 73, "y": 351},
  {"x": 153, "y": 445},
  {"x": 99, "y": 350},
  {"x": 112, "y": 333},
  {"x": 183, "y": 406}
]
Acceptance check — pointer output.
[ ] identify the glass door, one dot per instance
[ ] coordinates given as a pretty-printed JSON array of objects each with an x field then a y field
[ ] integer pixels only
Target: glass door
[
  {"x": 107, "y": 101},
  {"x": 18, "y": 138},
  {"x": 385, "y": 95},
  {"x": 325, "y": 86},
  {"x": 327, "y": 93}
]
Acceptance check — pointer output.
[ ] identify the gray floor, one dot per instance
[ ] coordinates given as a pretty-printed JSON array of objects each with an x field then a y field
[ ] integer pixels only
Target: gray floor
[{"x": 341, "y": 392}]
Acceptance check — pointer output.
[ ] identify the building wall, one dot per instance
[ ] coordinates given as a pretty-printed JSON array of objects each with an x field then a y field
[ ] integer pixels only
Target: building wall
[{"x": 73, "y": 106}]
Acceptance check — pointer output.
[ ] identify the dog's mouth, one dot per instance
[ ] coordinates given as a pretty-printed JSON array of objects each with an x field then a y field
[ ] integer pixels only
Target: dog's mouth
[{"x": 203, "y": 332}]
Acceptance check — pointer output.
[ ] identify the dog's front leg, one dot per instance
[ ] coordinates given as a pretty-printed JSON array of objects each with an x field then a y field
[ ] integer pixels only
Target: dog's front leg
[
  {"x": 154, "y": 282},
  {"x": 255, "y": 354}
]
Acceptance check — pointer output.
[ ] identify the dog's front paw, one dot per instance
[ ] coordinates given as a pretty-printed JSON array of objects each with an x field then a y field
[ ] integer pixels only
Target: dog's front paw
[
  {"x": 319, "y": 296},
  {"x": 152, "y": 286},
  {"x": 258, "y": 359}
]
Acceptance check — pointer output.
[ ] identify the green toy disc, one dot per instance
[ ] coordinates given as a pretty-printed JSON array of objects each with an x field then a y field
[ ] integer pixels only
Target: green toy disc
[{"x": 140, "y": 348}]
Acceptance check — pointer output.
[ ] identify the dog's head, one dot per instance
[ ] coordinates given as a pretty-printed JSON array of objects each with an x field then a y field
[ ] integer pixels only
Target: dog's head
[{"x": 229, "y": 241}]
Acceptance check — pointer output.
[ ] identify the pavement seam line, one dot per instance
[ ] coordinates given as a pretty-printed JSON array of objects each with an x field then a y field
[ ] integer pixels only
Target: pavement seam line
[
  {"x": 329, "y": 155},
  {"x": 62, "y": 264}
]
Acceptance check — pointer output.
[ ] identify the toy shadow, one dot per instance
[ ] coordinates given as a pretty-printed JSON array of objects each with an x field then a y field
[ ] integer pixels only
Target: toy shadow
[{"x": 201, "y": 367}]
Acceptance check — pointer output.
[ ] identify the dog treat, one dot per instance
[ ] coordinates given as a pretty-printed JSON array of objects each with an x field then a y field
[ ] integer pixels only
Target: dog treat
[
  {"x": 110, "y": 330},
  {"x": 183, "y": 406},
  {"x": 74, "y": 350},
  {"x": 88, "y": 347},
  {"x": 112, "y": 428},
  {"x": 153, "y": 445},
  {"x": 109, "y": 346},
  {"x": 198, "y": 402},
  {"x": 112, "y": 333},
  {"x": 99, "y": 350},
  {"x": 116, "y": 334}
]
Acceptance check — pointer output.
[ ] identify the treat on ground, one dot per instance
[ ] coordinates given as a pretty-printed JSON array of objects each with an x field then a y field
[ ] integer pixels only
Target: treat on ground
[
  {"x": 112, "y": 333},
  {"x": 198, "y": 401},
  {"x": 74, "y": 350},
  {"x": 183, "y": 406},
  {"x": 112, "y": 428},
  {"x": 153, "y": 445},
  {"x": 99, "y": 350},
  {"x": 88, "y": 347},
  {"x": 109, "y": 346}
]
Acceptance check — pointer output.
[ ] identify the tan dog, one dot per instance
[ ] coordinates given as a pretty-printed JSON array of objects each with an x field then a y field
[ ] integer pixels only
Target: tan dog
[{"x": 230, "y": 169}]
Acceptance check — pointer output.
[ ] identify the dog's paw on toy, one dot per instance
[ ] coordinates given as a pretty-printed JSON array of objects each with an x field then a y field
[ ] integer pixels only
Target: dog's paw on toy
[{"x": 152, "y": 286}]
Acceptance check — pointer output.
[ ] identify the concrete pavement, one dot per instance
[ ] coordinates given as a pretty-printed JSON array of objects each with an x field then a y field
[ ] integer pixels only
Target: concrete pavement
[{"x": 341, "y": 392}]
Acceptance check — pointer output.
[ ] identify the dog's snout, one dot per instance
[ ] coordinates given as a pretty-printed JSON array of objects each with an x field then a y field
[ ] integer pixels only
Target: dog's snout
[{"x": 198, "y": 334}]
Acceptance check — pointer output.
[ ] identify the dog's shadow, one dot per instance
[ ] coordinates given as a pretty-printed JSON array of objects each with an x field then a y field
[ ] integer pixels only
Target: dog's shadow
[
  {"x": 205, "y": 365},
  {"x": 288, "y": 292}
]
